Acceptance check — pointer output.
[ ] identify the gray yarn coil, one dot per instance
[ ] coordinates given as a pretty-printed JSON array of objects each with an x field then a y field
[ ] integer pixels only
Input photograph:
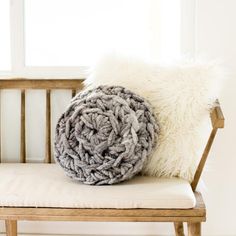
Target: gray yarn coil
[{"x": 105, "y": 135}]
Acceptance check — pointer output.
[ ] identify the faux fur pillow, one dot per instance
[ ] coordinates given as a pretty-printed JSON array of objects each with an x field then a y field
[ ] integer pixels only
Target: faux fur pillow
[{"x": 181, "y": 96}]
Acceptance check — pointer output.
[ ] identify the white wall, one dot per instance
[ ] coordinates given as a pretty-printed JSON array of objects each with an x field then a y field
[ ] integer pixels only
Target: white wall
[{"x": 215, "y": 36}]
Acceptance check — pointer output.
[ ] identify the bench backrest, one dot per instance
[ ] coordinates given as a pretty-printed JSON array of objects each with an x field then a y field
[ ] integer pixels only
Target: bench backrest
[
  {"x": 46, "y": 84},
  {"x": 75, "y": 85}
]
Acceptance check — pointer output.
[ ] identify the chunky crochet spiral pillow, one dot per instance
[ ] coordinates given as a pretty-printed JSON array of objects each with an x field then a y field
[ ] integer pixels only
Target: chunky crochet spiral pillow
[{"x": 105, "y": 135}]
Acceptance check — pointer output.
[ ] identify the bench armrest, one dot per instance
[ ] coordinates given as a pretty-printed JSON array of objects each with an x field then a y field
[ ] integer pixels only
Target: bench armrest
[
  {"x": 217, "y": 117},
  {"x": 217, "y": 120}
]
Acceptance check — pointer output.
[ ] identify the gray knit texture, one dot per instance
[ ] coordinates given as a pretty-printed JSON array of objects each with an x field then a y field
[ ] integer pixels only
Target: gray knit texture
[{"x": 105, "y": 136}]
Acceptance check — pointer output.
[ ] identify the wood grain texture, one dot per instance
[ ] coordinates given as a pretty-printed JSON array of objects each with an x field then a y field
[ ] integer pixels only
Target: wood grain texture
[
  {"x": 22, "y": 83},
  {"x": 48, "y": 128},
  {"x": 217, "y": 117},
  {"x": 0, "y": 129},
  {"x": 47, "y": 84},
  {"x": 218, "y": 121},
  {"x": 203, "y": 159},
  {"x": 179, "y": 228},
  {"x": 194, "y": 229},
  {"x": 73, "y": 92},
  {"x": 104, "y": 218},
  {"x": 22, "y": 129},
  {"x": 11, "y": 227}
]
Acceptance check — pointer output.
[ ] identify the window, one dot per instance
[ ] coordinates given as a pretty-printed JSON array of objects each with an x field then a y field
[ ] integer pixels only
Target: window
[
  {"x": 62, "y": 38},
  {"x": 76, "y": 32}
]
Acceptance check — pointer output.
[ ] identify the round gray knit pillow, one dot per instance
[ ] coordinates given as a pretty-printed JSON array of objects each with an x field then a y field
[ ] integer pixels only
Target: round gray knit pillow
[{"x": 105, "y": 135}]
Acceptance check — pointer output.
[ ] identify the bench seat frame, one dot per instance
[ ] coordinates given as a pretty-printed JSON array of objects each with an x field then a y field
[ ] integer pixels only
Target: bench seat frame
[{"x": 11, "y": 215}]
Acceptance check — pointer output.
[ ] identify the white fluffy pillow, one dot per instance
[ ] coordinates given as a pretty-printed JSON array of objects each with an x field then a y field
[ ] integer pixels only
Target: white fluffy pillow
[{"x": 181, "y": 95}]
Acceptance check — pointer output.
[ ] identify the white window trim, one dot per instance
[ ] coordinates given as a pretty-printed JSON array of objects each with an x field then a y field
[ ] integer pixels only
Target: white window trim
[{"x": 19, "y": 69}]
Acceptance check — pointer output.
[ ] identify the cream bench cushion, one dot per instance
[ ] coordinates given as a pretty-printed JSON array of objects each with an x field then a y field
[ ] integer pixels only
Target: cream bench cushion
[{"x": 45, "y": 185}]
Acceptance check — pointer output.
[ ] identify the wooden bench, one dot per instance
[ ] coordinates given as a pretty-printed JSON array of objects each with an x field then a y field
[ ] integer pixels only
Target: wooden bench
[{"x": 11, "y": 215}]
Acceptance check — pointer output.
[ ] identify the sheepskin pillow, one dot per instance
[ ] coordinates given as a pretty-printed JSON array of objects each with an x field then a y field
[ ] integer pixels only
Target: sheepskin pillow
[
  {"x": 105, "y": 135},
  {"x": 181, "y": 95}
]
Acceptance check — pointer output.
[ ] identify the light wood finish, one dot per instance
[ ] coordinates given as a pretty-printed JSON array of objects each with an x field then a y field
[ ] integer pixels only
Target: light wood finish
[
  {"x": 48, "y": 127},
  {"x": 101, "y": 218},
  {"x": 194, "y": 229},
  {"x": 22, "y": 130},
  {"x": 48, "y": 85},
  {"x": 203, "y": 160},
  {"x": 217, "y": 120},
  {"x": 73, "y": 92},
  {"x": 217, "y": 117},
  {"x": 179, "y": 228},
  {"x": 193, "y": 216},
  {"x": 11, "y": 227},
  {"x": 21, "y": 83},
  {"x": 0, "y": 129}
]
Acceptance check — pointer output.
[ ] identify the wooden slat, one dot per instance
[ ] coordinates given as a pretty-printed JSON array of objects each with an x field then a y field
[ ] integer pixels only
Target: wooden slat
[
  {"x": 104, "y": 218},
  {"x": 194, "y": 212},
  {"x": 203, "y": 159},
  {"x": 22, "y": 83},
  {"x": 48, "y": 127},
  {"x": 0, "y": 129},
  {"x": 22, "y": 130},
  {"x": 73, "y": 92},
  {"x": 194, "y": 229},
  {"x": 179, "y": 228},
  {"x": 217, "y": 120},
  {"x": 11, "y": 227}
]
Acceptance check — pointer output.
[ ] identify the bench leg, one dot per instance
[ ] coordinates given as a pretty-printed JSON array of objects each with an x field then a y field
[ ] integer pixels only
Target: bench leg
[
  {"x": 194, "y": 229},
  {"x": 179, "y": 228},
  {"x": 11, "y": 227}
]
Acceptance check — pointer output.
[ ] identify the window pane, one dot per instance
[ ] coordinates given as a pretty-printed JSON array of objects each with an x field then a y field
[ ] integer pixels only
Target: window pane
[
  {"x": 4, "y": 35},
  {"x": 76, "y": 32},
  {"x": 170, "y": 44}
]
